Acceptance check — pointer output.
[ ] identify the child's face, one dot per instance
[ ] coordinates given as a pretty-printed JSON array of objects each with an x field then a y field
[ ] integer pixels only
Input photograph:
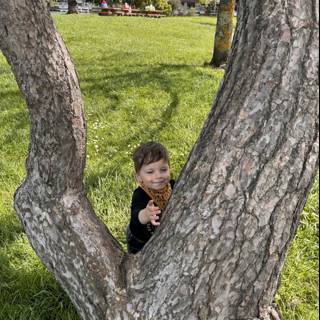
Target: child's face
[{"x": 155, "y": 175}]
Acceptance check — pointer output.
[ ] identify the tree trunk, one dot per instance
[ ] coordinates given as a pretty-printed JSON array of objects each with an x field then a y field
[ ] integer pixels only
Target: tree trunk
[
  {"x": 72, "y": 7},
  {"x": 236, "y": 205},
  {"x": 223, "y": 34}
]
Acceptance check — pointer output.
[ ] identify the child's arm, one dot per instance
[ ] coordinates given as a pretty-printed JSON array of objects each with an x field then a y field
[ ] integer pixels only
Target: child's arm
[{"x": 150, "y": 214}]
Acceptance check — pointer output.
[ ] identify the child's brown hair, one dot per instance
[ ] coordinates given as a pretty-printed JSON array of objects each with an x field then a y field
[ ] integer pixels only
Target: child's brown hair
[{"x": 149, "y": 152}]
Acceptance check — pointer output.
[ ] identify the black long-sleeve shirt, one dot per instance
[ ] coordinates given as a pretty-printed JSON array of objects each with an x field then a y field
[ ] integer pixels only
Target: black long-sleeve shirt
[{"x": 139, "y": 202}]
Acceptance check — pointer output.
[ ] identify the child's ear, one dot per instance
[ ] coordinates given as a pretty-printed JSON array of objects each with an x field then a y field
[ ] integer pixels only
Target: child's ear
[{"x": 138, "y": 178}]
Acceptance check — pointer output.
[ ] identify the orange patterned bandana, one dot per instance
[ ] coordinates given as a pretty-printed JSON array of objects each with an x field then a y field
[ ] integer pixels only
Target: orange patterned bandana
[{"x": 160, "y": 197}]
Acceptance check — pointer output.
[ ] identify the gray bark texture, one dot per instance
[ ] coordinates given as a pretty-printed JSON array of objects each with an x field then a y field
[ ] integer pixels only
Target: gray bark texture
[{"x": 236, "y": 205}]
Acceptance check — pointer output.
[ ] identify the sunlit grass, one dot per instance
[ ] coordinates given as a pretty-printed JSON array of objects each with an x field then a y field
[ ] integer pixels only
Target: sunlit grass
[{"x": 298, "y": 296}]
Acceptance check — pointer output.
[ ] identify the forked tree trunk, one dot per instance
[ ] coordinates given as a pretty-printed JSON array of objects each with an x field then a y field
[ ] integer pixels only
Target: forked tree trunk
[
  {"x": 72, "y": 7},
  {"x": 223, "y": 34},
  {"x": 235, "y": 208}
]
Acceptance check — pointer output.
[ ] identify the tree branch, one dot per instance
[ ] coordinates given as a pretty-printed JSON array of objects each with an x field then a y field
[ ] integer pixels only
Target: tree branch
[{"x": 57, "y": 217}]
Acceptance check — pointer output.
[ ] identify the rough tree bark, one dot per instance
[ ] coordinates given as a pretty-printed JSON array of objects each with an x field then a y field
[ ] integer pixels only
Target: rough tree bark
[
  {"x": 223, "y": 34},
  {"x": 236, "y": 205},
  {"x": 72, "y": 7}
]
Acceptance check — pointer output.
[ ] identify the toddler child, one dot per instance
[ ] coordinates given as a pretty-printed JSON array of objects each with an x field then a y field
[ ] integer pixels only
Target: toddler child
[{"x": 151, "y": 163}]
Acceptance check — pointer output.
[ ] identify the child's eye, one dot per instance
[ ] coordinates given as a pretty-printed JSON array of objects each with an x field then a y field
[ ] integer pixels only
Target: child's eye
[{"x": 149, "y": 172}]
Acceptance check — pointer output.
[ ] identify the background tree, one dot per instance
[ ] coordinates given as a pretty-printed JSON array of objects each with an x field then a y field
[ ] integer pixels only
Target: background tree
[
  {"x": 223, "y": 34},
  {"x": 236, "y": 205},
  {"x": 72, "y": 6}
]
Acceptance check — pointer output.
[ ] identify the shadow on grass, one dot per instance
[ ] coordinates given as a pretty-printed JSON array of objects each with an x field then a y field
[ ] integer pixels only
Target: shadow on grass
[
  {"x": 207, "y": 24},
  {"x": 10, "y": 229},
  {"x": 107, "y": 80},
  {"x": 168, "y": 78},
  {"x": 30, "y": 292},
  {"x": 5, "y": 94}
]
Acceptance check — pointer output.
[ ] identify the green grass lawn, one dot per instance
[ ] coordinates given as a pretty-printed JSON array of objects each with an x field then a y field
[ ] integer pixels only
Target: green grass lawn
[{"x": 141, "y": 79}]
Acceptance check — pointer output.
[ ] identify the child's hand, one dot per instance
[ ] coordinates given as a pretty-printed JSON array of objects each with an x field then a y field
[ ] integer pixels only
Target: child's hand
[
  {"x": 154, "y": 213},
  {"x": 150, "y": 214}
]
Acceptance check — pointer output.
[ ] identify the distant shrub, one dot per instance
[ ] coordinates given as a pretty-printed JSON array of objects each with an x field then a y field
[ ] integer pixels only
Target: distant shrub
[
  {"x": 191, "y": 12},
  {"x": 184, "y": 11},
  {"x": 175, "y": 4},
  {"x": 163, "y": 5},
  {"x": 153, "y": 5},
  {"x": 141, "y": 3}
]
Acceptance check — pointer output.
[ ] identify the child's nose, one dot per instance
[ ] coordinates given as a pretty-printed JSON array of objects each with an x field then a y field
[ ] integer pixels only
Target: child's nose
[{"x": 158, "y": 174}]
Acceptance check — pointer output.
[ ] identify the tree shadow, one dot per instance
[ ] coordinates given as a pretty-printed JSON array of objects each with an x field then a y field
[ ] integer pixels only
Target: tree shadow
[
  {"x": 10, "y": 94},
  {"x": 168, "y": 78},
  {"x": 106, "y": 80},
  {"x": 207, "y": 24},
  {"x": 10, "y": 229},
  {"x": 31, "y": 291}
]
